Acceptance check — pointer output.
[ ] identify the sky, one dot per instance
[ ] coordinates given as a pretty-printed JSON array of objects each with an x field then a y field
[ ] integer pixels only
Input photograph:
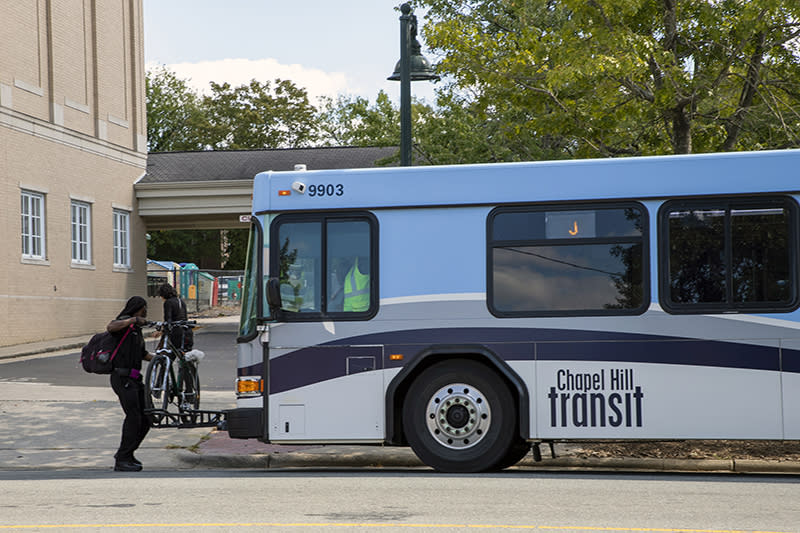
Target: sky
[{"x": 329, "y": 48}]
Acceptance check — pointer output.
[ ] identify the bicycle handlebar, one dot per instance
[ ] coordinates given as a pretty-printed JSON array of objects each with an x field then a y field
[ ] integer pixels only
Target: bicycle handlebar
[{"x": 186, "y": 324}]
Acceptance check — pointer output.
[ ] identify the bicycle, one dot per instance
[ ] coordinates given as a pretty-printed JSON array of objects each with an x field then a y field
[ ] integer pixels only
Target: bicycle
[{"x": 163, "y": 385}]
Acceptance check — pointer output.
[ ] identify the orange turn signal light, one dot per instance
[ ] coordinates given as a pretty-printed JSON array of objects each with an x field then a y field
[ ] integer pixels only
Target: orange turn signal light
[
  {"x": 396, "y": 357},
  {"x": 286, "y": 192},
  {"x": 250, "y": 386}
]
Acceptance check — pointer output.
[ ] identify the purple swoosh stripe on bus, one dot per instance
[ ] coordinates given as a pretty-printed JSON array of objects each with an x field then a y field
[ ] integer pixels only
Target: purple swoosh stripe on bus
[{"x": 319, "y": 363}]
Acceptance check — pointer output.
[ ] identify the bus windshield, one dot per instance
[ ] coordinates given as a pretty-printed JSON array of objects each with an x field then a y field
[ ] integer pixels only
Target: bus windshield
[{"x": 251, "y": 306}]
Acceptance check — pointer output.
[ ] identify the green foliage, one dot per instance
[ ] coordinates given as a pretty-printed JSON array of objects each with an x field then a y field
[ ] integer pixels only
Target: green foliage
[
  {"x": 622, "y": 77},
  {"x": 235, "y": 245},
  {"x": 259, "y": 115},
  {"x": 201, "y": 247},
  {"x": 211, "y": 249},
  {"x": 352, "y": 121},
  {"x": 249, "y": 117},
  {"x": 175, "y": 118}
]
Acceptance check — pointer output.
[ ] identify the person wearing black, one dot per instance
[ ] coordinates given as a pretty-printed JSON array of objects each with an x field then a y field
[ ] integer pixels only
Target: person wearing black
[
  {"x": 126, "y": 380},
  {"x": 174, "y": 310}
]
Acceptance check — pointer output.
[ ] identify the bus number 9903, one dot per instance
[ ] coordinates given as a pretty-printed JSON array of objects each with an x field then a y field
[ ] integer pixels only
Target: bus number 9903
[{"x": 326, "y": 190}]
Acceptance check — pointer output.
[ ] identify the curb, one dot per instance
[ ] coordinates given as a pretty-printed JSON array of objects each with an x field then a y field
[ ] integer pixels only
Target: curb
[
  {"x": 756, "y": 466},
  {"x": 366, "y": 459},
  {"x": 645, "y": 464},
  {"x": 36, "y": 350},
  {"x": 407, "y": 459}
]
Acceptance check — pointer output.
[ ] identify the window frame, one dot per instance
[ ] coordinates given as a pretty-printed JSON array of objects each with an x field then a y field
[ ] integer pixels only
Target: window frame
[
  {"x": 726, "y": 203},
  {"x": 27, "y": 240},
  {"x": 87, "y": 208},
  {"x": 323, "y": 219},
  {"x": 643, "y": 239},
  {"x": 120, "y": 247}
]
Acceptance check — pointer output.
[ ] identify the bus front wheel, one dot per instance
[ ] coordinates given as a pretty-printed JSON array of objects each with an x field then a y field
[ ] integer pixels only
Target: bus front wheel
[{"x": 459, "y": 416}]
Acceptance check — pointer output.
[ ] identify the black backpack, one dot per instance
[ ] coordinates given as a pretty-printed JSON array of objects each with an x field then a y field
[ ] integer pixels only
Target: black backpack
[{"x": 97, "y": 357}]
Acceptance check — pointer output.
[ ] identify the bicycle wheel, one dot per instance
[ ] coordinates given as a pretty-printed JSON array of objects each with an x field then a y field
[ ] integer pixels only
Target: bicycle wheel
[
  {"x": 157, "y": 383},
  {"x": 190, "y": 387}
]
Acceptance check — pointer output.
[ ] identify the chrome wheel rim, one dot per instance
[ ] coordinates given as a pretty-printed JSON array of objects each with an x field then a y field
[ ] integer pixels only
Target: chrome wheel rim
[{"x": 458, "y": 416}]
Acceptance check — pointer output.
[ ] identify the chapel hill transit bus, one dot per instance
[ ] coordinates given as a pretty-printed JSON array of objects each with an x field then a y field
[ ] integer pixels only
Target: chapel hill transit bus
[{"x": 469, "y": 311}]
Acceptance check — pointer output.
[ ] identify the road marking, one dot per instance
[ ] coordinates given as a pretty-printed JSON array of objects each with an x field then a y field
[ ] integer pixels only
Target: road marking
[{"x": 384, "y": 525}]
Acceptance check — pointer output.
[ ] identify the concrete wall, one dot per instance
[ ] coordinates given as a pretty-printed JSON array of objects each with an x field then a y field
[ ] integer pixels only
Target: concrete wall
[{"x": 72, "y": 127}]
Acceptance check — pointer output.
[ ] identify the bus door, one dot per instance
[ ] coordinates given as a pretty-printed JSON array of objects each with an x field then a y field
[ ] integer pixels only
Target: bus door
[{"x": 323, "y": 382}]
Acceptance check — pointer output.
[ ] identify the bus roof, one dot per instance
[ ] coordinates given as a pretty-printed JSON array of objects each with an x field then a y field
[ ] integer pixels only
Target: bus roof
[{"x": 542, "y": 181}]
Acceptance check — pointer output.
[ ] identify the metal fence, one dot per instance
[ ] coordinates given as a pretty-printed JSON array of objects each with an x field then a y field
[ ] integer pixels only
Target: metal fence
[{"x": 200, "y": 289}]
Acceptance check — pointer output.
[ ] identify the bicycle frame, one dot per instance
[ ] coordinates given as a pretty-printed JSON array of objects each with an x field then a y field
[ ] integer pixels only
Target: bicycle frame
[
  {"x": 173, "y": 356},
  {"x": 171, "y": 382},
  {"x": 161, "y": 379}
]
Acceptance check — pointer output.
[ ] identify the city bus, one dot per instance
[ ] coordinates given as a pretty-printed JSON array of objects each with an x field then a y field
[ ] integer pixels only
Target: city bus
[{"x": 472, "y": 311}]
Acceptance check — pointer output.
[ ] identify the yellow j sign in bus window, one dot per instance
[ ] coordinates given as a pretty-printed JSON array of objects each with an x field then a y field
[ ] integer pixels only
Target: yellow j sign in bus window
[
  {"x": 574, "y": 230},
  {"x": 569, "y": 224}
]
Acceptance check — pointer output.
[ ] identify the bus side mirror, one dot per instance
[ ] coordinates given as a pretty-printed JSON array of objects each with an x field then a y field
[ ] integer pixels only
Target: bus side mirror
[{"x": 274, "y": 295}]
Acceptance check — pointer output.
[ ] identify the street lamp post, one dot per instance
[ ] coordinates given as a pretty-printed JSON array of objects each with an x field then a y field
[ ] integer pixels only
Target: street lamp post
[{"x": 411, "y": 67}]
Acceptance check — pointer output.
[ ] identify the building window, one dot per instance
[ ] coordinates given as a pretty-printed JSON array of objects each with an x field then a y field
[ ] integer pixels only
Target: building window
[
  {"x": 567, "y": 260},
  {"x": 327, "y": 266},
  {"x": 122, "y": 240},
  {"x": 728, "y": 255},
  {"x": 32, "y": 209},
  {"x": 80, "y": 215}
]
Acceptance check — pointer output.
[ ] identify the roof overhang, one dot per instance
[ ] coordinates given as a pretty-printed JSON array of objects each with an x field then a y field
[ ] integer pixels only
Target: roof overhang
[{"x": 194, "y": 204}]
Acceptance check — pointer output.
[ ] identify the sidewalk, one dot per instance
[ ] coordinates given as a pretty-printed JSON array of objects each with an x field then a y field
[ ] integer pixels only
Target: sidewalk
[{"x": 50, "y": 427}]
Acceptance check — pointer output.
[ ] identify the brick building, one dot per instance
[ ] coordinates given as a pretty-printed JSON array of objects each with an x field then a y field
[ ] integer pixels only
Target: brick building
[{"x": 72, "y": 144}]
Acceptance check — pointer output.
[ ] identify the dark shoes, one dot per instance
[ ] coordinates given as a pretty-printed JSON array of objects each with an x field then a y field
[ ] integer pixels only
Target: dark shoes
[
  {"x": 133, "y": 460},
  {"x": 127, "y": 466}
]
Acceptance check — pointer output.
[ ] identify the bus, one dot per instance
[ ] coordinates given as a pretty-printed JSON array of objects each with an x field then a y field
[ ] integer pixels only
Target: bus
[{"x": 471, "y": 311}]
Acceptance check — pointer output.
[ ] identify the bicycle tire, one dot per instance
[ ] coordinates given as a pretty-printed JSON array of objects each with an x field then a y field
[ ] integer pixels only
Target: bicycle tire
[
  {"x": 190, "y": 377},
  {"x": 155, "y": 394}
]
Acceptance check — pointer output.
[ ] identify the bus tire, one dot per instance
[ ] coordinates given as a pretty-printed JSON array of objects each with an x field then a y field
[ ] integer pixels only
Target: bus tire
[
  {"x": 459, "y": 416},
  {"x": 515, "y": 454}
]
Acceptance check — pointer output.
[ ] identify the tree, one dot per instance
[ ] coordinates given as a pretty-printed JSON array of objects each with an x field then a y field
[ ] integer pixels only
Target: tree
[
  {"x": 259, "y": 115},
  {"x": 460, "y": 131},
  {"x": 624, "y": 77},
  {"x": 201, "y": 247},
  {"x": 447, "y": 134},
  {"x": 235, "y": 246},
  {"x": 352, "y": 121},
  {"x": 175, "y": 117}
]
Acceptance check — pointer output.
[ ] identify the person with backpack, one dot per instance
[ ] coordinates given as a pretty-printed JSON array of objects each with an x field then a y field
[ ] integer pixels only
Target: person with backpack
[
  {"x": 126, "y": 380},
  {"x": 174, "y": 310}
]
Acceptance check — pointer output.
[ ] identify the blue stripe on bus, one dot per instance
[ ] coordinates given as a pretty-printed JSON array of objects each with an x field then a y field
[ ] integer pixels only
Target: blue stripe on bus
[{"x": 320, "y": 363}]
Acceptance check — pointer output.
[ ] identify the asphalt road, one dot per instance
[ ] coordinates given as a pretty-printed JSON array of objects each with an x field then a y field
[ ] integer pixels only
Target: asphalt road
[
  {"x": 395, "y": 501},
  {"x": 217, "y": 370}
]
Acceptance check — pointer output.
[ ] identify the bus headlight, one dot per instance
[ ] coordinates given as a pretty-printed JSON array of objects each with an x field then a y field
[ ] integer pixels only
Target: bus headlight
[{"x": 249, "y": 386}]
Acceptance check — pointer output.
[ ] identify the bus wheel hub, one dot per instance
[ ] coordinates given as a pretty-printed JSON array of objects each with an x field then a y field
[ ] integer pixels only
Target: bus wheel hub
[{"x": 458, "y": 416}]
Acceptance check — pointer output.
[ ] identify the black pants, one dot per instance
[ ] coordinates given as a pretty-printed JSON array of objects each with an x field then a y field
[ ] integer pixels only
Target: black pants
[
  {"x": 182, "y": 338},
  {"x": 136, "y": 424}
]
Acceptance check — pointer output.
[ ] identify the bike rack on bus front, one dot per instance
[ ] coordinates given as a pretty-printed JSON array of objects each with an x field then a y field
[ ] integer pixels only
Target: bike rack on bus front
[{"x": 161, "y": 418}]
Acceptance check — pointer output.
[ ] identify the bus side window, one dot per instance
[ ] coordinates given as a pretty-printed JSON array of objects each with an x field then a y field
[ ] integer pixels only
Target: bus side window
[{"x": 729, "y": 254}]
